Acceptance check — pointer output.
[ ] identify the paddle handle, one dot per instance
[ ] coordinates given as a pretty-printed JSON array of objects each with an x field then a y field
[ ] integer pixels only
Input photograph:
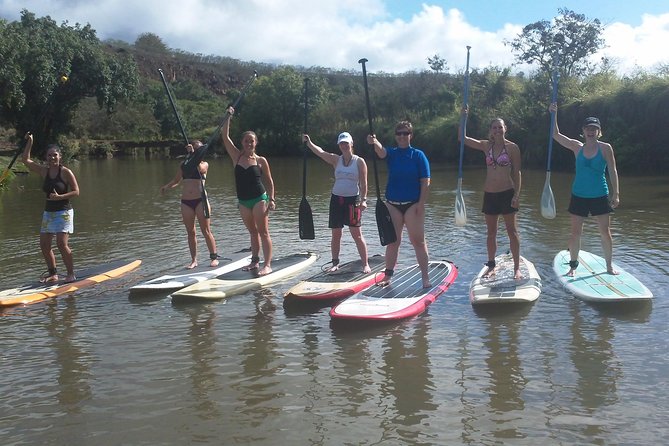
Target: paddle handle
[{"x": 463, "y": 121}]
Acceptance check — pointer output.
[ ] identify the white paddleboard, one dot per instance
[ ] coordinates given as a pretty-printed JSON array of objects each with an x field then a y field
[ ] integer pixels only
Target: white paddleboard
[
  {"x": 172, "y": 282},
  {"x": 502, "y": 287},
  {"x": 404, "y": 297},
  {"x": 239, "y": 281},
  {"x": 592, "y": 283}
]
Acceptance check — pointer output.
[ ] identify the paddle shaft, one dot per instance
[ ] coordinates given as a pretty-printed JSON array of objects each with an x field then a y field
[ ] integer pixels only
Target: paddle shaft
[
  {"x": 463, "y": 121},
  {"x": 555, "y": 79},
  {"x": 371, "y": 129},
  {"x": 304, "y": 152}
]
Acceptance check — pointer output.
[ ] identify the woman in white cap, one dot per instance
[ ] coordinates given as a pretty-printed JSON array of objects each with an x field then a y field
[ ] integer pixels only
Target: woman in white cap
[
  {"x": 590, "y": 193},
  {"x": 349, "y": 196}
]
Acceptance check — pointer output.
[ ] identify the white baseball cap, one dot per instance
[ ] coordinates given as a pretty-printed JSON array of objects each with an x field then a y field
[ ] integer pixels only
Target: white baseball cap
[{"x": 345, "y": 137}]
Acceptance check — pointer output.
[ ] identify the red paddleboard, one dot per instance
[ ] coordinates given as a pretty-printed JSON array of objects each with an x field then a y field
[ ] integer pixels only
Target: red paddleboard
[{"x": 404, "y": 297}]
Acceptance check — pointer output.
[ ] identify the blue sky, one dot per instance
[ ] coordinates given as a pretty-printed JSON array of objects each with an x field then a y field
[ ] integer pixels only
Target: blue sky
[{"x": 395, "y": 35}]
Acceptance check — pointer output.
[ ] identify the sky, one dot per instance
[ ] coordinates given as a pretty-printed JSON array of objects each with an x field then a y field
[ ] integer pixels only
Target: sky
[{"x": 395, "y": 36}]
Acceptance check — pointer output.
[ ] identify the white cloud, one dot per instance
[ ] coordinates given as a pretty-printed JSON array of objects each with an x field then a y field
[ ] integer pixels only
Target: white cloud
[{"x": 328, "y": 33}]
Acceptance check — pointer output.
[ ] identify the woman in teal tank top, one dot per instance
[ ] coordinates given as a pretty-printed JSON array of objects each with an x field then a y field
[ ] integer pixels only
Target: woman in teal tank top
[{"x": 590, "y": 193}]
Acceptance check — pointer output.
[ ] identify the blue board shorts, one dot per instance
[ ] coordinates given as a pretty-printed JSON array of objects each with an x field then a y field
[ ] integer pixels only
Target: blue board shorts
[{"x": 54, "y": 222}]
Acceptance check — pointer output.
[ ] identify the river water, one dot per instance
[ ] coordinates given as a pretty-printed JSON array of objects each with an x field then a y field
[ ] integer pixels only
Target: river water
[{"x": 100, "y": 367}]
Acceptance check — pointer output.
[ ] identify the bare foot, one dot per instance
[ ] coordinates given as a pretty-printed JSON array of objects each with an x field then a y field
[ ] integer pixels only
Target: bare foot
[
  {"x": 612, "y": 271},
  {"x": 384, "y": 282},
  {"x": 489, "y": 272},
  {"x": 518, "y": 275},
  {"x": 265, "y": 270},
  {"x": 70, "y": 278},
  {"x": 333, "y": 268},
  {"x": 366, "y": 269},
  {"x": 49, "y": 279},
  {"x": 571, "y": 272},
  {"x": 192, "y": 264},
  {"x": 427, "y": 285},
  {"x": 214, "y": 263},
  {"x": 251, "y": 266}
]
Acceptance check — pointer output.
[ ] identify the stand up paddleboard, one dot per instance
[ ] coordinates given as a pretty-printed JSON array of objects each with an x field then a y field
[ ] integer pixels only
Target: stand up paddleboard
[
  {"x": 36, "y": 291},
  {"x": 168, "y": 283},
  {"x": 592, "y": 283},
  {"x": 404, "y": 297},
  {"x": 502, "y": 287},
  {"x": 239, "y": 281},
  {"x": 340, "y": 284}
]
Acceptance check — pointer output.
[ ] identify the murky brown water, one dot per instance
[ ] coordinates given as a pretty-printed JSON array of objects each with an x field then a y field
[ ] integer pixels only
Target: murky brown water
[{"x": 100, "y": 368}]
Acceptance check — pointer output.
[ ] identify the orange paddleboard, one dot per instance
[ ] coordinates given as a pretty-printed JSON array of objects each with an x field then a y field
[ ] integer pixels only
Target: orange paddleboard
[{"x": 35, "y": 292}]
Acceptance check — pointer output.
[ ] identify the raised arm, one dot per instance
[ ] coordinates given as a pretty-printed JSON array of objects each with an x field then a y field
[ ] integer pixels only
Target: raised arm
[
  {"x": 230, "y": 147},
  {"x": 329, "y": 158},
  {"x": 378, "y": 147},
  {"x": 472, "y": 143},
  {"x": 572, "y": 144},
  {"x": 25, "y": 157}
]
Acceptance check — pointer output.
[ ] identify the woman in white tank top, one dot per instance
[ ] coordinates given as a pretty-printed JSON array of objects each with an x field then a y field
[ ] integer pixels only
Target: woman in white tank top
[{"x": 349, "y": 196}]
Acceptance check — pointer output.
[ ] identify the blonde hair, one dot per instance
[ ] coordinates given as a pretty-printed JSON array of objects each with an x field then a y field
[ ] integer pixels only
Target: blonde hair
[{"x": 501, "y": 121}]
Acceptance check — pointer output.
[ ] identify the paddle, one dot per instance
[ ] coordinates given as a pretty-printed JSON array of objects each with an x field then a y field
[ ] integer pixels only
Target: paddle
[
  {"x": 306, "y": 218},
  {"x": 384, "y": 223},
  {"x": 62, "y": 79},
  {"x": 460, "y": 209},
  {"x": 205, "y": 199},
  {"x": 547, "y": 198},
  {"x": 217, "y": 132}
]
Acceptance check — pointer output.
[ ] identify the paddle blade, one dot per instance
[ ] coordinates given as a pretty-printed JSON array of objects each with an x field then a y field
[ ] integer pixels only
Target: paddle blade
[
  {"x": 547, "y": 199},
  {"x": 306, "y": 221},
  {"x": 460, "y": 209},
  {"x": 387, "y": 233}
]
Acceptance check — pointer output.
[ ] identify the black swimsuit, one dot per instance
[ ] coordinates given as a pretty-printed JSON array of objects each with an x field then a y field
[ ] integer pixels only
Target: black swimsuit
[{"x": 59, "y": 186}]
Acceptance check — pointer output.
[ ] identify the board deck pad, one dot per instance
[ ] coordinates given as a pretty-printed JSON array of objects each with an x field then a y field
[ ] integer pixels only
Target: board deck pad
[
  {"x": 502, "y": 287},
  {"x": 344, "y": 282},
  {"x": 36, "y": 291},
  {"x": 592, "y": 283},
  {"x": 200, "y": 273},
  {"x": 404, "y": 297},
  {"x": 240, "y": 281}
]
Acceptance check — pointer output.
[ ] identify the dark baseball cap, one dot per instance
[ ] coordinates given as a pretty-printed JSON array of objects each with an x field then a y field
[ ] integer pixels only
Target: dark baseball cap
[{"x": 592, "y": 121}]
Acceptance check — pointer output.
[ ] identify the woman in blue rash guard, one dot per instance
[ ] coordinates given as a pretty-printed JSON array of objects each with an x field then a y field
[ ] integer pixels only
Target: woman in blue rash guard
[
  {"x": 406, "y": 193},
  {"x": 191, "y": 175}
]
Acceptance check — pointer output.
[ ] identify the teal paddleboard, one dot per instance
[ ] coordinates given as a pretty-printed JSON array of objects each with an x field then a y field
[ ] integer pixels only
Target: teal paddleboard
[{"x": 592, "y": 283}]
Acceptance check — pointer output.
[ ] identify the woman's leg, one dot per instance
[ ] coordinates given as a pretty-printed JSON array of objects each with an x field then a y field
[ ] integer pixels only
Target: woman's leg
[
  {"x": 575, "y": 241},
  {"x": 249, "y": 222},
  {"x": 415, "y": 222},
  {"x": 45, "y": 240},
  {"x": 491, "y": 222},
  {"x": 205, "y": 228},
  {"x": 604, "y": 224},
  {"x": 514, "y": 242},
  {"x": 62, "y": 241},
  {"x": 188, "y": 217},
  {"x": 360, "y": 243},
  {"x": 261, "y": 219},
  {"x": 393, "y": 249},
  {"x": 335, "y": 247}
]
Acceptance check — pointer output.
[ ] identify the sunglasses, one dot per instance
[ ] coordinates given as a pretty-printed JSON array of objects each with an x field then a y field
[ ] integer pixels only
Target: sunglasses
[{"x": 402, "y": 133}]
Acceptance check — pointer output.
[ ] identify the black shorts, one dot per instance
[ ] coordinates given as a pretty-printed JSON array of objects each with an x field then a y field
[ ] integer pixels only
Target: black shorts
[
  {"x": 498, "y": 203},
  {"x": 343, "y": 211},
  {"x": 584, "y": 207}
]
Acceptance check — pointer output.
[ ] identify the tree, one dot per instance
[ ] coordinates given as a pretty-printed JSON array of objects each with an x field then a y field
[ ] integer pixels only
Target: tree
[
  {"x": 569, "y": 38},
  {"x": 437, "y": 63},
  {"x": 48, "y": 70},
  {"x": 151, "y": 43}
]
